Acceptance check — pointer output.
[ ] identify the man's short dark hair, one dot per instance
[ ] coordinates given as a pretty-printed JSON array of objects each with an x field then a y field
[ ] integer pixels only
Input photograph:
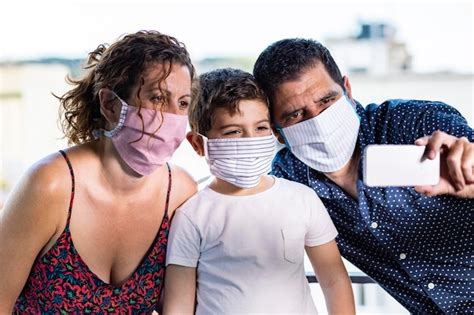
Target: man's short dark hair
[
  {"x": 286, "y": 59},
  {"x": 221, "y": 88}
]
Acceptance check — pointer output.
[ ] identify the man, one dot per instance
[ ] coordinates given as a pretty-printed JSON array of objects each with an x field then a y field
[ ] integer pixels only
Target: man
[{"x": 414, "y": 241}]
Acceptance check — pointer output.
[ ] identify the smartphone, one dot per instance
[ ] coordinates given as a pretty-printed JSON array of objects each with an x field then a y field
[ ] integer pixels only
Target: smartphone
[{"x": 399, "y": 165}]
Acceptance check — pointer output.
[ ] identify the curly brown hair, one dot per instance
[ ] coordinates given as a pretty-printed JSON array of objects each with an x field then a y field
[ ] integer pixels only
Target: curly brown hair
[{"x": 118, "y": 67}]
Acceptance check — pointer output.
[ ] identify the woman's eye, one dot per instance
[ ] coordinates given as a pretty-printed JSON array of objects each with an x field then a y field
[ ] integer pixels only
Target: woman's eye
[
  {"x": 183, "y": 104},
  {"x": 157, "y": 99}
]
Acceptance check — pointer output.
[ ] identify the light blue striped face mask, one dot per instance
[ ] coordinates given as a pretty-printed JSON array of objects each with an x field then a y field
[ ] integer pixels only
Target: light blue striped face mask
[
  {"x": 325, "y": 142},
  {"x": 240, "y": 161}
]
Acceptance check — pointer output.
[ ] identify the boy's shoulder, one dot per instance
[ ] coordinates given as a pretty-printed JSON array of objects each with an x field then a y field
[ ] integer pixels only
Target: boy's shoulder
[
  {"x": 293, "y": 186},
  {"x": 194, "y": 200},
  {"x": 296, "y": 192},
  {"x": 202, "y": 202}
]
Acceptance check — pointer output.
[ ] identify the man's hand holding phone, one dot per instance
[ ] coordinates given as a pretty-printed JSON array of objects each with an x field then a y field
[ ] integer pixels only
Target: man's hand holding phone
[
  {"x": 399, "y": 165},
  {"x": 456, "y": 168},
  {"x": 436, "y": 165}
]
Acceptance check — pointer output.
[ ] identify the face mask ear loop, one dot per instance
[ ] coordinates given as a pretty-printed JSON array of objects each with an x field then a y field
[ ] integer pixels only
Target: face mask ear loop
[
  {"x": 121, "y": 122},
  {"x": 352, "y": 105},
  {"x": 280, "y": 130},
  {"x": 204, "y": 145},
  {"x": 111, "y": 133}
]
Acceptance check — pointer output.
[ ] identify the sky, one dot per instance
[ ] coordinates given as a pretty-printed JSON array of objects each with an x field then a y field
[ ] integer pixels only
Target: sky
[{"x": 439, "y": 34}]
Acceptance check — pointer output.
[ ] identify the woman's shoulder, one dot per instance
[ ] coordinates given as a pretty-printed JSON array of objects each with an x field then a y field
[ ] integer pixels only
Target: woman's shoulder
[
  {"x": 182, "y": 177},
  {"x": 48, "y": 177},
  {"x": 184, "y": 186},
  {"x": 41, "y": 195},
  {"x": 47, "y": 184}
]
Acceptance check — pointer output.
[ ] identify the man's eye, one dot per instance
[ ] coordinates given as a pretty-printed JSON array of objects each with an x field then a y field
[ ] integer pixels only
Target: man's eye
[
  {"x": 327, "y": 100},
  {"x": 295, "y": 115}
]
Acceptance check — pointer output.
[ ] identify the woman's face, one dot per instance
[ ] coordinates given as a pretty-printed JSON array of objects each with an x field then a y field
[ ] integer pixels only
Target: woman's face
[{"x": 172, "y": 95}]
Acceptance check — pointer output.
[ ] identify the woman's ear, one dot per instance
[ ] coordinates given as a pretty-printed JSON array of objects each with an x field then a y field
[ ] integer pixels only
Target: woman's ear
[
  {"x": 110, "y": 106},
  {"x": 196, "y": 142}
]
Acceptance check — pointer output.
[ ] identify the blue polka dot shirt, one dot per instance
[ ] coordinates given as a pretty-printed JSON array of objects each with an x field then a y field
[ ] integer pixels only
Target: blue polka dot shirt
[{"x": 417, "y": 248}]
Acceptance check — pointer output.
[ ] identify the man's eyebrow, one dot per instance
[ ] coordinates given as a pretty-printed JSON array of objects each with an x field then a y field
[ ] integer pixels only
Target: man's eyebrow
[
  {"x": 328, "y": 95},
  {"x": 293, "y": 108}
]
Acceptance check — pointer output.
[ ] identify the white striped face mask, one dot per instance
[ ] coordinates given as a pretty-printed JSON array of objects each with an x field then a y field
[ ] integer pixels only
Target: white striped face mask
[
  {"x": 325, "y": 142},
  {"x": 240, "y": 161}
]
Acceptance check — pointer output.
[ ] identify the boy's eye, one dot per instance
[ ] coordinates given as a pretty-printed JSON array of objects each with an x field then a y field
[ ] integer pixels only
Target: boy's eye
[
  {"x": 231, "y": 132},
  {"x": 263, "y": 127}
]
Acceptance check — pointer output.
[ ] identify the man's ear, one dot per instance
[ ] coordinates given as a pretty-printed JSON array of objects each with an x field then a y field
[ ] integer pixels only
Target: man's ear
[
  {"x": 278, "y": 135},
  {"x": 196, "y": 142},
  {"x": 347, "y": 88},
  {"x": 110, "y": 106}
]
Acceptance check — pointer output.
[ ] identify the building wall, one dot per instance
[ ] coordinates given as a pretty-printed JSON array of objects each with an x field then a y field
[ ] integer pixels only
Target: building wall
[
  {"x": 454, "y": 89},
  {"x": 28, "y": 117}
]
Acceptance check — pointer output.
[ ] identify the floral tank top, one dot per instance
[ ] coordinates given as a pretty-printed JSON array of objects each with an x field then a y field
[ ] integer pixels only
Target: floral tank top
[{"x": 61, "y": 283}]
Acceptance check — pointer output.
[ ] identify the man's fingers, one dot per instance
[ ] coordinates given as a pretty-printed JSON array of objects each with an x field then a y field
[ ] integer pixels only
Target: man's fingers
[
  {"x": 423, "y": 189},
  {"x": 467, "y": 162},
  {"x": 430, "y": 191},
  {"x": 437, "y": 140},
  {"x": 453, "y": 160},
  {"x": 422, "y": 141}
]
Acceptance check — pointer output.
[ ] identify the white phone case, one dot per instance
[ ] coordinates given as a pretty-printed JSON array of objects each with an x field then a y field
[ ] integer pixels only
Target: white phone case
[{"x": 399, "y": 165}]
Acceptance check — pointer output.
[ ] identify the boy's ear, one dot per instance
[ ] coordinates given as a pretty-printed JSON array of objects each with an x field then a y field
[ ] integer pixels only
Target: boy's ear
[
  {"x": 278, "y": 135},
  {"x": 196, "y": 142},
  {"x": 109, "y": 106}
]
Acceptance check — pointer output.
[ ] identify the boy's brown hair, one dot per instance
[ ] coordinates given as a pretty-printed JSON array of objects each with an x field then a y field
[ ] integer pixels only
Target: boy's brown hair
[{"x": 221, "y": 88}]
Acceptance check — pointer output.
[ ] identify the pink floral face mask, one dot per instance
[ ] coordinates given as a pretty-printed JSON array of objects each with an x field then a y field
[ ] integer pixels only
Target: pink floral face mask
[{"x": 145, "y": 151}]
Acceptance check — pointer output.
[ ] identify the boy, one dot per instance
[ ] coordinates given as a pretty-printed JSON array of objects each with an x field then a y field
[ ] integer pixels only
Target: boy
[{"x": 241, "y": 239}]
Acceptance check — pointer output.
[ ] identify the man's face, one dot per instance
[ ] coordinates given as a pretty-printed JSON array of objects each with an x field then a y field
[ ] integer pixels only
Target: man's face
[{"x": 306, "y": 97}]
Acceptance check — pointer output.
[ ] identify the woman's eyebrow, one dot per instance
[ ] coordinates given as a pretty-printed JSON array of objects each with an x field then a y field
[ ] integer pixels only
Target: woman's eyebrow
[{"x": 166, "y": 92}]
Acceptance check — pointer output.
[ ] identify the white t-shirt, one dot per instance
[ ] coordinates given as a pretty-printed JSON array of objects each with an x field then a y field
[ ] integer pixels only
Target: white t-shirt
[{"x": 249, "y": 250}]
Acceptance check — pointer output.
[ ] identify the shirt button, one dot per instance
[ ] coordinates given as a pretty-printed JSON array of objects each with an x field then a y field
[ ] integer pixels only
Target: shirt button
[
  {"x": 374, "y": 225},
  {"x": 431, "y": 285},
  {"x": 403, "y": 256}
]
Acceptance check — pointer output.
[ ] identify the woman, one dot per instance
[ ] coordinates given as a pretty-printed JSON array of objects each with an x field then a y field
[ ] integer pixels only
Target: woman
[{"x": 85, "y": 230}]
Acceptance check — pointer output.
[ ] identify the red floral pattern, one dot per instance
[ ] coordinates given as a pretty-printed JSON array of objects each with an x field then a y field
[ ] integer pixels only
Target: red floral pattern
[{"x": 61, "y": 283}]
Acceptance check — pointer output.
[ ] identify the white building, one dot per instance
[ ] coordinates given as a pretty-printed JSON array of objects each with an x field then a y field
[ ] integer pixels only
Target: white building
[
  {"x": 28, "y": 117},
  {"x": 375, "y": 51}
]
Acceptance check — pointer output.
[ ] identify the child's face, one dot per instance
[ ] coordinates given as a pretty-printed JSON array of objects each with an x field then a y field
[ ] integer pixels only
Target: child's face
[{"x": 251, "y": 121}]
